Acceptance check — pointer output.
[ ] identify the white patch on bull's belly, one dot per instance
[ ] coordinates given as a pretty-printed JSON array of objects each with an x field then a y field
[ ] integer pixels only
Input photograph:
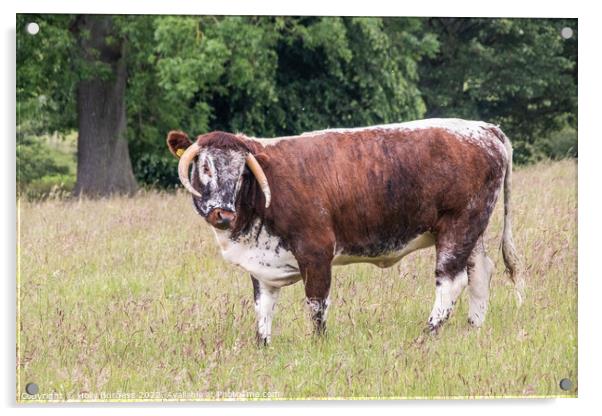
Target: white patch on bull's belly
[
  {"x": 276, "y": 266},
  {"x": 389, "y": 259},
  {"x": 261, "y": 256}
]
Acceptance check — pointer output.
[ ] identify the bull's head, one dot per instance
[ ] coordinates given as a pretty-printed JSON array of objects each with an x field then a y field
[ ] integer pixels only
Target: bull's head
[{"x": 217, "y": 176}]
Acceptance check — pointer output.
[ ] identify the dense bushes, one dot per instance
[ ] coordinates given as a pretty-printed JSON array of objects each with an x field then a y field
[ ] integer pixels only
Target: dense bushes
[
  {"x": 559, "y": 145},
  {"x": 157, "y": 170},
  {"x": 42, "y": 169}
]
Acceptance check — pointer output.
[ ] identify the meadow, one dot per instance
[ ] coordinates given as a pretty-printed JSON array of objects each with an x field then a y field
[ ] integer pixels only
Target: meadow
[{"x": 129, "y": 298}]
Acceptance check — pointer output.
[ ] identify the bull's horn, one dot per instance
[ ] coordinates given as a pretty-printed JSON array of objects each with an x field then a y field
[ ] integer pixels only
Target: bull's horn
[
  {"x": 260, "y": 176},
  {"x": 184, "y": 168}
]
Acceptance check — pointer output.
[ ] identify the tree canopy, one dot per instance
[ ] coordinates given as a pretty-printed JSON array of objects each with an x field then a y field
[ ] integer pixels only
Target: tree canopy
[
  {"x": 519, "y": 73},
  {"x": 269, "y": 76}
]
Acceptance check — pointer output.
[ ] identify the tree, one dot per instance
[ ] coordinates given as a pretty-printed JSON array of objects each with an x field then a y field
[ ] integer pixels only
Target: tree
[
  {"x": 44, "y": 100},
  {"x": 103, "y": 161},
  {"x": 124, "y": 81},
  {"x": 72, "y": 75},
  {"x": 266, "y": 76},
  {"x": 46, "y": 75},
  {"x": 346, "y": 72},
  {"x": 519, "y": 73}
]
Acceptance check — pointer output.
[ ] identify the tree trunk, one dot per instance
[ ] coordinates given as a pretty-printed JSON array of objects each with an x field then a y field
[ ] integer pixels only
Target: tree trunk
[{"x": 103, "y": 159}]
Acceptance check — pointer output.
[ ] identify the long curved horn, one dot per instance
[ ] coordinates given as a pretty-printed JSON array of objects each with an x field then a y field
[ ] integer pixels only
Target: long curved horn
[
  {"x": 261, "y": 178},
  {"x": 184, "y": 168}
]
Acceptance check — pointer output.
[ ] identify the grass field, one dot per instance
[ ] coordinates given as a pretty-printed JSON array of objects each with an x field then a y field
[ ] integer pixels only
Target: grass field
[{"x": 123, "y": 296}]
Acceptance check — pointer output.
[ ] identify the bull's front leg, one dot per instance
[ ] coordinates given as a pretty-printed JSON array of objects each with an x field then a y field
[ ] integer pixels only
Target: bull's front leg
[
  {"x": 265, "y": 302},
  {"x": 316, "y": 277}
]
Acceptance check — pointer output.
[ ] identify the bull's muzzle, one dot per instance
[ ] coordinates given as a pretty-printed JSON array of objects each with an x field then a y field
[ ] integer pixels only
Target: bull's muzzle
[{"x": 221, "y": 218}]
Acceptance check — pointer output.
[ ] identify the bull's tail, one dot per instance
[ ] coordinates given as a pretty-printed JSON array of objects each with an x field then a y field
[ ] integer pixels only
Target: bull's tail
[{"x": 511, "y": 259}]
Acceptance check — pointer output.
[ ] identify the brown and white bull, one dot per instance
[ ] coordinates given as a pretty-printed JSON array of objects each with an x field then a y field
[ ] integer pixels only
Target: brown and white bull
[{"x": 288, "y": 209}]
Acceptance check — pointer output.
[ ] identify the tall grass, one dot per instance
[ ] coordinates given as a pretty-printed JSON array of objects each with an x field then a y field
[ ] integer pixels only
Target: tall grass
[{"x": 131, "y": 295}]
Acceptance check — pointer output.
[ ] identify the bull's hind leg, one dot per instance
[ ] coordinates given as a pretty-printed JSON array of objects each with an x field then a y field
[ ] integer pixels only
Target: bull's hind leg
[
  {"x": 265, "y": 302},
  {"x": 480, "y": 268},
  {"x": 455, "y": 242},
  {"x": 448, "y": 289}
]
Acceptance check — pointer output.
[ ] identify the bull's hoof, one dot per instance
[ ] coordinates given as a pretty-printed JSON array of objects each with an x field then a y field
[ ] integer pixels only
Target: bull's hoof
[
  {"x": 320, "y": 330},
  {"x": 431, "y": 329},
  {"x": 435, "y": 322},
  {"x": 262, "y": 341},
  {"x": 475, "y": 323}
]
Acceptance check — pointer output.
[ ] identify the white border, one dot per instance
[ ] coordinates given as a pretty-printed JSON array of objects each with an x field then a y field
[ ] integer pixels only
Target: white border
[
  {"x": 590, "y": 348},
  {"x": 474, "y": 8}
]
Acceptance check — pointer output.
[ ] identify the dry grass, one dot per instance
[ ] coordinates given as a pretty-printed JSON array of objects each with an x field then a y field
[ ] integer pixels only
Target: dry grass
[{"x": 123, "y": 295}]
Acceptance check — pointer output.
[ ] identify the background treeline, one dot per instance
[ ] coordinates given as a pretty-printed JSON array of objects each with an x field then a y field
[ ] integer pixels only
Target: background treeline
[{"x": 270, "y": 76}]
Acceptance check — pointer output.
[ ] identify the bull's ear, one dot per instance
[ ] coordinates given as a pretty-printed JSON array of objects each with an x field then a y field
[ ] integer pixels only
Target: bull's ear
[{"x": 177, "y": 142}]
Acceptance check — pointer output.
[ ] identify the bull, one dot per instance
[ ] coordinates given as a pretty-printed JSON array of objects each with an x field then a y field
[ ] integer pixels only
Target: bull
[{"x": 288, "y": 209}]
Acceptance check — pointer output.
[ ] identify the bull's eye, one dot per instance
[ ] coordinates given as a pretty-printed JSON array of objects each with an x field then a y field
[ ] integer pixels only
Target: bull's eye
[{"x": 206, "y": 170}]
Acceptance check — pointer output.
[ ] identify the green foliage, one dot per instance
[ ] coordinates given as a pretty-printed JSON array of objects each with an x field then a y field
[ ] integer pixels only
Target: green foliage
[
  {"x": 265, "y": 76},
  {"x": 560, "y": 144},
  {"x": 45, "y": 75},
  {"x": 50, "y": 186},
  {"x": 153, "y": 169},
  {"x": 519, "y": 73},
  {"x": 269, "y": 76},
  {"x": 343, "y": 72},
  {"x": 42, "y": 169},
  {"x": 35, "y": 160}
]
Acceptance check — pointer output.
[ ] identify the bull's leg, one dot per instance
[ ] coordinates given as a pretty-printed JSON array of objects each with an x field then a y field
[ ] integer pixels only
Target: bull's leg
[
  {"x": 454, "y": 244},
  {"x": 318, "y": 309},
  {"x": 480, "y": 268},
  {"x": 316, "y": 278},
  {"x": 265, "y": 301},
  {"x": 448, "y": 289}
]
